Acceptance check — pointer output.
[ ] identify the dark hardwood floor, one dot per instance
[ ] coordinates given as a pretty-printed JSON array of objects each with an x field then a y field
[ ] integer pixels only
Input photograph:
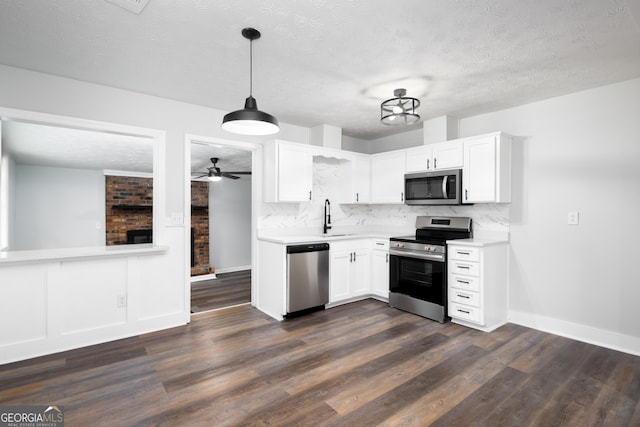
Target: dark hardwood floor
[
  {"x": 359, "y": 364},
  {"x": 227, "y": 290}
]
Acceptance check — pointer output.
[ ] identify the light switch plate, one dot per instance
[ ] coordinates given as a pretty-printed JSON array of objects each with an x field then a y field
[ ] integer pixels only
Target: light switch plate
[
  {"x": 573, "y": 218},
  {"x": 177, "y": 218}
]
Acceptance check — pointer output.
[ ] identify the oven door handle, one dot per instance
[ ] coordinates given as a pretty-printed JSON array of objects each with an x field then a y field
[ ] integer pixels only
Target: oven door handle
[{"x": 417, "y": 255}]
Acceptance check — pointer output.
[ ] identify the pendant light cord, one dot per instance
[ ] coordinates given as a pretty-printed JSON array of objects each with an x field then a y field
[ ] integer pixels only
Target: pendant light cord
[{"x": 250, "y": 67}]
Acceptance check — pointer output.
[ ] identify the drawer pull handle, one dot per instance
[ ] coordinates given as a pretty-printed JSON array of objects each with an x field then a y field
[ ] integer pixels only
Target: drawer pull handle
[
  {"x": 379, "y": 244},
  {"x": 464, "y": 311},
  {"x": 463, "y": 296},
  {"x": 462, "y": 281},
  {"x": 464, "y": 253},
  {"x": 464, "y": 267}
]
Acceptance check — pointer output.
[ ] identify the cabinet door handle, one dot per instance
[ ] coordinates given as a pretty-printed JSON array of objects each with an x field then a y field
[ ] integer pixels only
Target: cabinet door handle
[
  {"x": 466, "y": 194},
  {"x": 402, "y": 197},
  {"x": 435, "y": 163},
  {"x": 427, "y": 163},
  {"x": 463, "y": 296},
  {"x": 463, "y": 311},
  {"x": 351, "y": 257},
  {"x": 387, "y": 258},
  {"x": 462, "y": 281},
  {"x": 464, "y": 267},
  {"x": 309, "y": 195},
  {"x": 354, "y": 257},
  {"x": 357, "y": 197},
  {"x": 463, "y": 253}
]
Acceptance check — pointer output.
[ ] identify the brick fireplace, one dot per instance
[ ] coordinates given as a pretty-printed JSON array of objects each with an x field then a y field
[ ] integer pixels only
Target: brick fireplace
[{"x": 129, "y": 209}]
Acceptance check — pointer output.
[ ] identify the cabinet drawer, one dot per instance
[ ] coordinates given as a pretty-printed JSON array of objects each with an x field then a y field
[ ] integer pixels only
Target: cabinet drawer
[
  {"x": 464, "y": 253},
  {"x": 465, "y": 312},
  {"x": 380, "y": 244},
  {"x": 465, "y": 297},
  {"x": 466, "y": 283},
  {"x": 466, "y": 268}
]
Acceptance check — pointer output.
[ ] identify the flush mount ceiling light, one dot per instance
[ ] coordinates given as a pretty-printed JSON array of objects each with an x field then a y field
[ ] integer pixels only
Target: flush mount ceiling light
[
  {"x": 250, "y": 120},
  {"x": 399, "y": 111}
]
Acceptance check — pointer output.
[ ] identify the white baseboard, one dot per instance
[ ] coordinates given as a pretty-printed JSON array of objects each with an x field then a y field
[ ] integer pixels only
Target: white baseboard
[
  {"x": 600, "y": 337},
  {"x": 233, "y": 269},
  {"x": 203, "y": 277}
]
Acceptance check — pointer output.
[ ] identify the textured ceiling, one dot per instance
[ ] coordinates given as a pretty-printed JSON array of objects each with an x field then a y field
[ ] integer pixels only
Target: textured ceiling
[{"x": 321, "y": 61}]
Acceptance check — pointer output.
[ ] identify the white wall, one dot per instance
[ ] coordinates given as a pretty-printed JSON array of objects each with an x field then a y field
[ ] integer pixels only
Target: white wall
[
  {"x": 410, "y": 138},
  {"x": 7, "y": 199},
  {"x": 579, "y": 152},
  {"x": 230, "y": 224},
  {"x": 58, "y": 208}
]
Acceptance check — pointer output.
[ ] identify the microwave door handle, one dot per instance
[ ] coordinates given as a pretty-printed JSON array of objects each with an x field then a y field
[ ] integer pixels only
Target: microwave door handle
[{"x": 444, "y": 186}]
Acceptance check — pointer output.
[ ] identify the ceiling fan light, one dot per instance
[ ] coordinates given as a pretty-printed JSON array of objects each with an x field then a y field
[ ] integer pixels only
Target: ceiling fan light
[{"x": 214, "y": 178}]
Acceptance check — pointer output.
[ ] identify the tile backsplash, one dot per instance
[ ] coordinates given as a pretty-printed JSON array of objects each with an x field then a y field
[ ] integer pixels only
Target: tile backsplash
[{"x": 488, "y": 218}]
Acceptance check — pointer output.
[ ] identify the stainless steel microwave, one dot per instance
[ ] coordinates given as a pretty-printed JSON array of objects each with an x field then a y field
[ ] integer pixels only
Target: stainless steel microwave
[{"x": 433, "y": 188}]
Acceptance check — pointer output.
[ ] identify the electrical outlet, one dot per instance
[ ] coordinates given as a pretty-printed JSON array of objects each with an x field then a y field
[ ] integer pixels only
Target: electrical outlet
[
  {"x": 121, "y": 301},
  {"x": 573, "y": 218}
]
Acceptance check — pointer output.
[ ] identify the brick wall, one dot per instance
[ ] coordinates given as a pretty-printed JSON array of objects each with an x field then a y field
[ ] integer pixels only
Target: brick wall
[
  {"x": 129, "y": 206},
  {"x": 129, "y": 202},
  {"x": 200, "y": 226}
]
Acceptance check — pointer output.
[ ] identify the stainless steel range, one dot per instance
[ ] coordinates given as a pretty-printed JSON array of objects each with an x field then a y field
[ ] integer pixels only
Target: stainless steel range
[{"x": 418, "y": 266}]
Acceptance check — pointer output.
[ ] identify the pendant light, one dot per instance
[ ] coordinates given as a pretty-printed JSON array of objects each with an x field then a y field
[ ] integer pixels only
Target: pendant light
[
  {"x": 400, "y": 110},
  {"x": 250, "y": 120}
]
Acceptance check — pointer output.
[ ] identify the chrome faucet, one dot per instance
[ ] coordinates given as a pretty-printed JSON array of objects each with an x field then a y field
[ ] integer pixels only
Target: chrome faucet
[{"x": 327, "y": 216}]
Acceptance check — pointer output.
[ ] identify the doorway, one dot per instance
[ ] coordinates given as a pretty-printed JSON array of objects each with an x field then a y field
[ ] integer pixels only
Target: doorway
[{"x": 221, "y": 223}]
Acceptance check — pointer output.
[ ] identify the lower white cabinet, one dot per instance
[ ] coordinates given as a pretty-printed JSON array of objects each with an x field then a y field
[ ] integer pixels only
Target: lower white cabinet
[
  {"x": 478, "y": 293},
  {"x": 380, "y": 268},
  {"x": 349, "y": 269}
]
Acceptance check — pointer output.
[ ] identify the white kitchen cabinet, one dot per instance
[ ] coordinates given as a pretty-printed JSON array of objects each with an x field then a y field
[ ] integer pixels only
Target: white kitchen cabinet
[
  {"x": 419, "y": 159},
  {"x": 380, "y": 268},
  {"x": 387, "y": 177},
  {"x": 486, "y": 172},
  {"x": 477, "y": 285},
  {"x": 448, "y": 155},
  {"x": 432, "y": 157},
  {"x": 349, "y": 270},
  {"x": 361, "y": 179},
  {"x": 288, "y": 170}
]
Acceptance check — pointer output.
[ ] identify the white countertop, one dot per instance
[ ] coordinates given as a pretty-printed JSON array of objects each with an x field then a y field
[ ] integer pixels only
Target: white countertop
[
  {"x": 478, "y": 242},
  {"x": 39, "y": 255},
  {"x": 310, "y": 238}
]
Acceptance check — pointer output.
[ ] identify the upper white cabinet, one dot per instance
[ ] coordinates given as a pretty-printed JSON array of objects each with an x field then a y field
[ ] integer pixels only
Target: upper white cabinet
[
  {"x": 445, "y": 155},
  {"x": 387, "y": 177},
  {"x": 361, "y": 179},
  {"x": 486, "y": 172},
  {"x": 288, "y": 170}
]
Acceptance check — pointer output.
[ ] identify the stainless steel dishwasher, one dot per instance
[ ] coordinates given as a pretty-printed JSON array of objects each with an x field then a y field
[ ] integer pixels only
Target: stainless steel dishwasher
[{"x": 307, "y": 278}]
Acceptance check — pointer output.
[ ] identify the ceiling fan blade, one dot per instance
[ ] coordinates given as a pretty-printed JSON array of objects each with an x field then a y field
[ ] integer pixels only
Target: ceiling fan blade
[
  {"x": 201, "y": 176},
  {"x": 240, "y": 173},
  {"x": 228, "y": 175}
]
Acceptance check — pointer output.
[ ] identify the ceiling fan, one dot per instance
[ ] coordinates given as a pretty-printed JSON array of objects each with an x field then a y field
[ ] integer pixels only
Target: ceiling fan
[{"x": 214, "y": 174}]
